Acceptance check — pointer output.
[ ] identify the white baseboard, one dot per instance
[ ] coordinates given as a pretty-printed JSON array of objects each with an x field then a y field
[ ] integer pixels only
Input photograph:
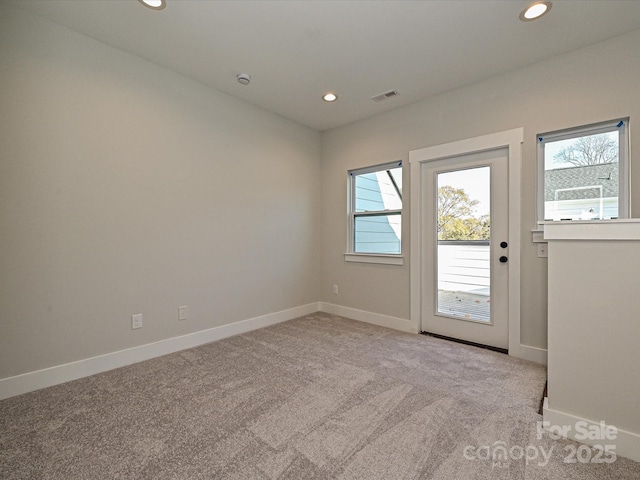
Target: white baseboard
[
  {"x": 369, "y": 317},
  {"x": 533, "y": 354},
  {"x": 526, "y": 352},
  {"x": 28, "y": 382},
  {"x": 626, "y": 444}
]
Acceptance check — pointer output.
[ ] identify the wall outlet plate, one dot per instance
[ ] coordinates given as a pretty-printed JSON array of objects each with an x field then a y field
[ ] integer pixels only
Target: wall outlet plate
[
  {"x": 183, "y": 313},
  {"x": 136, "y": 321},
  {"x": 542, "y": 250}
]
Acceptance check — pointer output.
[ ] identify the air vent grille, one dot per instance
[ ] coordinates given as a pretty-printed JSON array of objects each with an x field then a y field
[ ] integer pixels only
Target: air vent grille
[{"x": 384, "y": 96}]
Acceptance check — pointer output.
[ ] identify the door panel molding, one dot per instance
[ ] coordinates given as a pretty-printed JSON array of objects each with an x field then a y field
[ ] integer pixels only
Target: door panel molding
[{"x": 512, "y": 140}]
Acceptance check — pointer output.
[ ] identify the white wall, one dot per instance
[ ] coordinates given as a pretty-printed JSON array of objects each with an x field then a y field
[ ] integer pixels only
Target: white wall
[
  {"x": 593, "y": 84},
  {"x": 126, "y": 188},
  {"x": 593, "y": 331}
]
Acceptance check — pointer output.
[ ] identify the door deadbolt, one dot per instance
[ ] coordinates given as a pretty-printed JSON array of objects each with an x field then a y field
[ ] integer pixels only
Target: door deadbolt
[{"x": 504, "y": 244}]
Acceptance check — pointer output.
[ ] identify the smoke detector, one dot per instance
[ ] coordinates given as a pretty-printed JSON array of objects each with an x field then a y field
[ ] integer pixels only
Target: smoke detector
[{"x": 243, "y": 78}]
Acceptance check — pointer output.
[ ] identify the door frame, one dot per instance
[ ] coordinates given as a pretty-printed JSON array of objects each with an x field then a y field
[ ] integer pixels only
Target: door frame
[{"x": 512, "y": 140}]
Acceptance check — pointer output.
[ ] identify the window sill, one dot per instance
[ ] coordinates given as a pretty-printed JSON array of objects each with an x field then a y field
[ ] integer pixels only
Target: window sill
[
  {"x": 596, "y": 230},
  {"x": 374, "y": 258},
  {"x": 538, "y": 234}
]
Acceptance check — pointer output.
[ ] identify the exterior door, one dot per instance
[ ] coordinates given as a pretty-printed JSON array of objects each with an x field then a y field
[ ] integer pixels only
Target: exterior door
[{"x": 466, "y": 247}]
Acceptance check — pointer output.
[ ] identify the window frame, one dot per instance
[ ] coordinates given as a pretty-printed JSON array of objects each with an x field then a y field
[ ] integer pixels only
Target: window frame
[
  {"x": 369, "y": 257},
  {"x": 622, "y": 126}
]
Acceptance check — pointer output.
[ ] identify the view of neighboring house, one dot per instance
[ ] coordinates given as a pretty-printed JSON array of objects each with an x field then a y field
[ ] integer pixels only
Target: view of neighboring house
[
  {"x": 582, "y": 193},
  {"x": 378, "y": 192}
]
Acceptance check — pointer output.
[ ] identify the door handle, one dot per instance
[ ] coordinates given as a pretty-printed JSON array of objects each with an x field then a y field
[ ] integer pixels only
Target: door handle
[{"x": 503, "y": 259}]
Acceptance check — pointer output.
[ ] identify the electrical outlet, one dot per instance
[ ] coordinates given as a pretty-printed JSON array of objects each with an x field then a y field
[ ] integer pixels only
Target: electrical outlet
[
  {"x": 335, "y": 289},
  {"x": 136, "y": 321},
  {"x": 183, "y": 313}
]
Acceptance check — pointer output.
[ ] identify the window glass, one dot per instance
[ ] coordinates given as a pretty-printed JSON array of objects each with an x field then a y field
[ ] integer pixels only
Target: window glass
[
  {"x": 377, "y": 234},
  {"x": 380, "y": 190},
  {"x": 376, "y": 210},
  {"x": 584, "y": 173}
]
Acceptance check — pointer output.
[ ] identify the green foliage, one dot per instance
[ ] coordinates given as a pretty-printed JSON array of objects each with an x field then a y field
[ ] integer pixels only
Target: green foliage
[{"x": 456, "y": 220}]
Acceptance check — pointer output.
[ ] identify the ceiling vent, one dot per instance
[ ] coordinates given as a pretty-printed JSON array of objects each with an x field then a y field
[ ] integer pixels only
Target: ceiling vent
[{"x": 384, "y": 96}]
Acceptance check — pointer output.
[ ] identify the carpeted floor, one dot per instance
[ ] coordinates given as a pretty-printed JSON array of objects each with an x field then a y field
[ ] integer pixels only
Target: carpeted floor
[{"x": 318, "y": 397}]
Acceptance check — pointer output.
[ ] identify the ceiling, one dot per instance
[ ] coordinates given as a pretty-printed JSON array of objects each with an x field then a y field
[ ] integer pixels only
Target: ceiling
[{"x": 296, "y": 50}]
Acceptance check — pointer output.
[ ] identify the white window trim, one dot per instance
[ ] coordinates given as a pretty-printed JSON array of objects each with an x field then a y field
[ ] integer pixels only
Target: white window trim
[
  {"x": 351, "y": 255},
  {"x": 384, "y": 259},
  {"x": 624, "y": 197}
]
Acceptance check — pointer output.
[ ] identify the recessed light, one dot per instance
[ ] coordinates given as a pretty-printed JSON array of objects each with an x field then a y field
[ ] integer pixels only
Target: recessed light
[
  {"x": 330, "y": 97},
  {"x": 534, "y": 11},
  {"x": 154, "y": 4}
]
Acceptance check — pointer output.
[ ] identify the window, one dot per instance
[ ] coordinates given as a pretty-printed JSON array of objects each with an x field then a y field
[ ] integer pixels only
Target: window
[
  {"x": 375, "y": 211},
  {"x": 583, "y": 173}
]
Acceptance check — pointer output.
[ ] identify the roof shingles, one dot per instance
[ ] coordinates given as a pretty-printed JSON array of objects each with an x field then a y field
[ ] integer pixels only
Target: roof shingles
[{"x": 604, "y": 174}]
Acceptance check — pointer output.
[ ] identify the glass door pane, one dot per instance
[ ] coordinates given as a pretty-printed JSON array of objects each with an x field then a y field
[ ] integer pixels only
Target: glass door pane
[{"x": 464, "y": 243}]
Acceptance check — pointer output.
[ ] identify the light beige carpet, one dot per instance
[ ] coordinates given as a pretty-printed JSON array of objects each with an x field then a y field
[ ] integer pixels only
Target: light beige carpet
[{"x": 318, "y": 397}]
